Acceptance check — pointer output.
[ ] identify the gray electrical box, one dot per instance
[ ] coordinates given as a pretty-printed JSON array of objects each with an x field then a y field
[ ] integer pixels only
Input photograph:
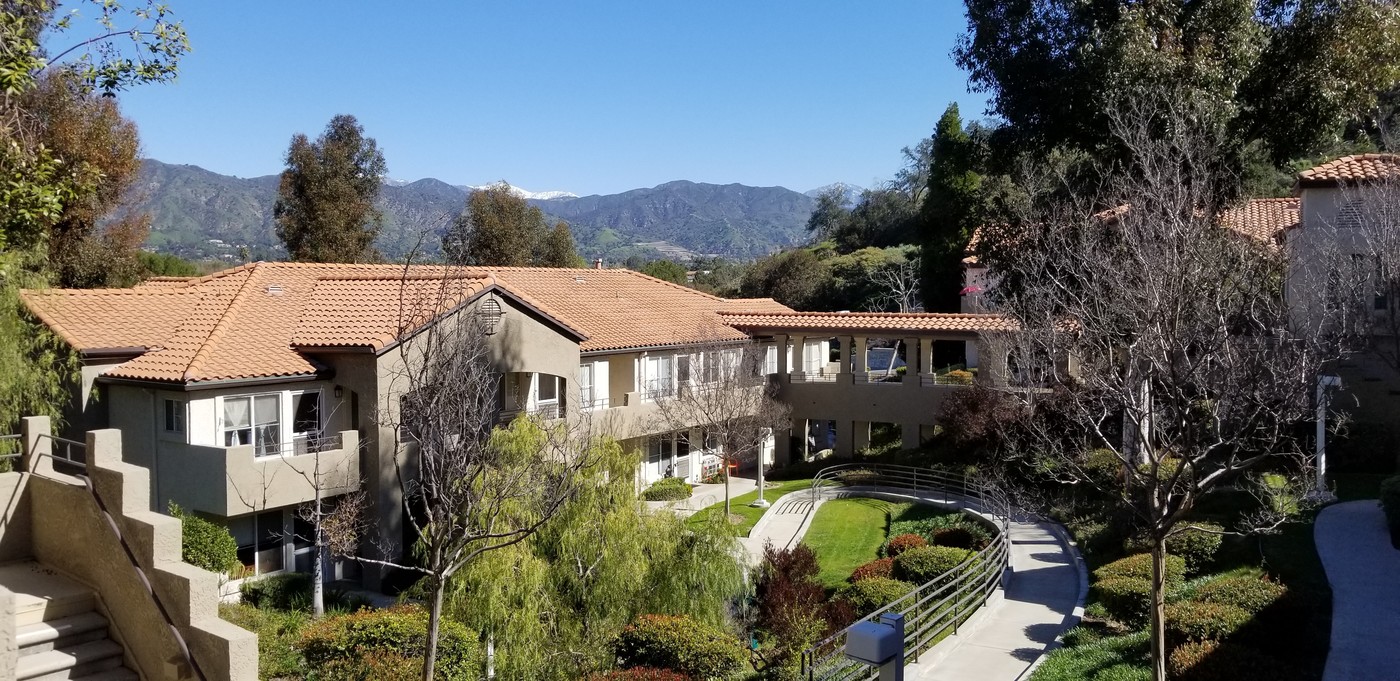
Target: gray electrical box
[{"x": 873, "y": 643}]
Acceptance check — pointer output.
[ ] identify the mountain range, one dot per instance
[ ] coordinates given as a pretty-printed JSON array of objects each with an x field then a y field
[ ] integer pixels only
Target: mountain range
[{"x": 200, "y": 214}]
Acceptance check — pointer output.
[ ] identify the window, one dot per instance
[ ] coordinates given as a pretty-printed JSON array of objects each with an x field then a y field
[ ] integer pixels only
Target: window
[
  {"x": 770, "y": 359},
  {"x": 253, "y": 420},
  {"x": 548, "y": 388},
  {"x": 683, "y": 369},
  {"x": 306, "y": 418},
  {"x": 174, "y": 416},
  {"x": 265, "y": 554},
  {"x": 585, "y": 385},
  {"x": 711, "y": 367},
  {"x": 659, "y": 373}
]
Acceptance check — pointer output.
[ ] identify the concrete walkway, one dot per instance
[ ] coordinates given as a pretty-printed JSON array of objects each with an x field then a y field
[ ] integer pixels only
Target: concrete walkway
[
  {"x": 1043, "y": 596},
  {"x": 1364, "y": 571},
  {"x": 705, "y": 495}
]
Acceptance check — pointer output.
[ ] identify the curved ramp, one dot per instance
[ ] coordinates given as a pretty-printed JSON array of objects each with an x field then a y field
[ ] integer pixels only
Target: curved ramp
[{"x": 1362, "y": 567}]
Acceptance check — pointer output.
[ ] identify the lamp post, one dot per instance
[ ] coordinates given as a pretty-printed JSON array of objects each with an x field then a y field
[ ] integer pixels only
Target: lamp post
[
  {"x": 762, "y": 454},
  {"x": 1324, "y": 383}
]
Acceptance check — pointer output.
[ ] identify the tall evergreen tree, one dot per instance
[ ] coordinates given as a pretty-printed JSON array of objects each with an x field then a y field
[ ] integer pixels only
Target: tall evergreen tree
[
  {"x": 950, "y": 211},
  {"x": 325, "y": 203},
  {"x": 497, "y": 228},
  {"x": 558, "y": 249}
]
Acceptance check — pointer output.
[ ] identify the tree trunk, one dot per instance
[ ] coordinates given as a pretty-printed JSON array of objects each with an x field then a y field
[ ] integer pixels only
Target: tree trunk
[
  {"x": 724, "y": 467},
  {"x": 434, "y": 616},
  {"x": 318, "y": 588},
  {"x": 1159, "y": 608}
]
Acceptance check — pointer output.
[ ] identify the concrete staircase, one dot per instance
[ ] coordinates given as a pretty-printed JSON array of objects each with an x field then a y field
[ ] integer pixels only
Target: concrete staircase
[{"x": 59, "y": 632}]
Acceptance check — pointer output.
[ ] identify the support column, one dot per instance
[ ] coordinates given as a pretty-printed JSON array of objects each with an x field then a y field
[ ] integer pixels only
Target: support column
[
  {"x": 782, "y": 446},
  {"x": 37, "y": 456},
  {"x": 860, "y": 435},
  {"x": 781, "y": 341},
  {"x": 912, "y": 364},
  {"x": 909, "y": 435},
  {"x": 846, "y": 372},
  {"x": 799, "y": 354},
  {"x": 844, "y": 440},
  {"x": 858, "y": 356},
  {"x": 925, "y": 355}
]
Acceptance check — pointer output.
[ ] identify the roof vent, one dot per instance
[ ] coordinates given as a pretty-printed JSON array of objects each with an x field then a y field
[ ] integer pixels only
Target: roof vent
[
  {"x": 275, "y": 289},
  {"x": 580, "y": 280}
]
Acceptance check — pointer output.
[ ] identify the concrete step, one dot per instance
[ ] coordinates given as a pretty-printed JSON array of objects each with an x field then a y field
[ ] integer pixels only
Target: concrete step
[
  {"x": 74, "y": 662},
  {"x": 43, "y": 594},
  {"x": 116, "y": 674},
  {"x": 61, "y": 633}
]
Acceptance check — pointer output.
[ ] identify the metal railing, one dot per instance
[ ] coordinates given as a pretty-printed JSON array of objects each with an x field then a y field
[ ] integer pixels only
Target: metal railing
[
  {"x": 67, "y": 459},
  {"x": 945, "y": 379},
  {"x": 878, "y": 377},
  {"x": 936, "y": 608},
  {"x": 812, "y": 377}
]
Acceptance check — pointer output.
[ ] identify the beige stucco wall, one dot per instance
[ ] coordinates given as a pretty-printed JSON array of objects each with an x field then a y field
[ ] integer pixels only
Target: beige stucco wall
[
  {"x": 232, "y": 481},
  {"x": 15, "y": 517}
]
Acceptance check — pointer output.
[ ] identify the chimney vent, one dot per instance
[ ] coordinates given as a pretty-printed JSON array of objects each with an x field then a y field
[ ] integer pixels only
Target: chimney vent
[{"x": 598, "y": 264}]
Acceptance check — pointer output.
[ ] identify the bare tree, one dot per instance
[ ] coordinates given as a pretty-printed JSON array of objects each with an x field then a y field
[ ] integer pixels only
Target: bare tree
[
  {"x": 724, "y": 402},
  {"x": 1159, "y": 335},
  {"x": 466, "y": 490},
  {"x": 898, "y": 286},
  {"x": 1367, "y": 228}
]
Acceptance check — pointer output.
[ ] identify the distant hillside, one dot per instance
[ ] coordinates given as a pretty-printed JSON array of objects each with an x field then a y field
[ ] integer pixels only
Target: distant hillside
[{"x": 200, "y": 214}]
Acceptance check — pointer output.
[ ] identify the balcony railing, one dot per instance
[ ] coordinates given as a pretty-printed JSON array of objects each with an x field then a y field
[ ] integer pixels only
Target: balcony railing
[
  {"x": 804, "y": 377},
  {"x": 879, "y": 377},
  {"x": 550, "y": 410},
  {"x": 596, "y": 403},
  {"x": 315, "y": 442}
]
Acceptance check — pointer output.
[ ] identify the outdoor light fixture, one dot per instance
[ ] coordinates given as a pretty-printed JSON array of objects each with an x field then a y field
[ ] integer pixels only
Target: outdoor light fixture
[{"x": 339, "y": 391}]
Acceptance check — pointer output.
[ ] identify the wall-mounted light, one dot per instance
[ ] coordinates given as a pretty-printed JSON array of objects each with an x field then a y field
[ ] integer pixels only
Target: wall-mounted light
[{"x": 339, "y": 391}]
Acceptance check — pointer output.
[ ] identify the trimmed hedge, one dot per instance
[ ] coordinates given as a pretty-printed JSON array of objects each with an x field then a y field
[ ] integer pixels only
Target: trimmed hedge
[
  {"x": 956, "y": 537},
  {"x": 880, "y": 567},
  {"x": 668, "y": 489},
  {"x": 869, "y": 595},
  {"x": 929, "y": 527},
  {"x": 639, "y": 674},
  {"x": 903, "y": 542},
  {"x": 1126, "y": 599},
  {"x": 1139, "y": 566},
  {"x": 205, "y": 544},
  {"x": 1390, "y": 503},
  {"x": 679, "y": 643},
  {"x": 926, "y": 563},
  {"x": 1216, "y": 661},
  {"x": 1197, "y": 621},
  {"x": 1196, "y": 547},
  {"x": 387, "y": 645},
  {"x": 1246, "y": 593}
]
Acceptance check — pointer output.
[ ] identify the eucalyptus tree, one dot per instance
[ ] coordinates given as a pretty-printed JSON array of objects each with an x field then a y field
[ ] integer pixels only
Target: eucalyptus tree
[{"x": 325, "y": 209}]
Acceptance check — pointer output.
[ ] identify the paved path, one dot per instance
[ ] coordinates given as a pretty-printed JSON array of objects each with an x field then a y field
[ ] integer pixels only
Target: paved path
[
  {"x": 705, "y": 495},
  {"x": 1040, "y": 599},
  {"x": 1364, "y": 571}
]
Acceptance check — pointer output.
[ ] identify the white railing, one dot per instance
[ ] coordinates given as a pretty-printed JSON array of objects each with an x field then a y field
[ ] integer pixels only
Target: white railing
[{"x": 937, "y": 607}]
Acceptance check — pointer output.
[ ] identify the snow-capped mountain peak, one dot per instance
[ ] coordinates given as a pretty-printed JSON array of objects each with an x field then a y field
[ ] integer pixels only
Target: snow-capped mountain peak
[{"x": 527, "y": 194}]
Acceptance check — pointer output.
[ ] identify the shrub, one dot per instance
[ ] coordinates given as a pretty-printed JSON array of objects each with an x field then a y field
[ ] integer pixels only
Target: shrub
[
  {"x": 1246, "y": 593},
  {"x": 1390, "y": 503},
  {"x": 926, "y": 563},
  {"x": 1196, "y": 547},
  {"x": 928, "y": 527},
  {"x": 1103, "y": 465},
  {"x": 1197, "y": 621},
  {"x": 205, "y": 544},
  {"x": 640, "y": 674},
  {"x": 668, "y": 489},
  {"x": 903, "y": 542},
  {"x": 1126, "y": 599},
  {"x": 1139, "y": 566},
  {"x": 387, "y": 644},
  {"x": 880, "y": 567},
  {"x": 1215, "y": 661},
  {"x": 1120, "y": 658},
  {"x": 680, "y": 643},
  {"x": 279, "y": 637},
  {"x": 956, "y": 537},
  {"x": 792, "y": 606},
  {"x": 287, "y": 591},
  {"x": 869, "y": 595}
]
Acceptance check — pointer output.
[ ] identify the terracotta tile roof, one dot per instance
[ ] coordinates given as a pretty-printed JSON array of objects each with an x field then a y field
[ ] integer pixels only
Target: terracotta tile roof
[
  {"x": 247, "y": 322},
  {"x": 1263, "y": 219},
  {"x": 873, "y": 322},
  {"x": 1351, "y": 169}
]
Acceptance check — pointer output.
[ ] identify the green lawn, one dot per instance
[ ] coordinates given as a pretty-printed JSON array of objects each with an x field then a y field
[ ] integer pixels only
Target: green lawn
[
  {"x": 848, "y": 533},
  {"x": 740, "y": 505}
]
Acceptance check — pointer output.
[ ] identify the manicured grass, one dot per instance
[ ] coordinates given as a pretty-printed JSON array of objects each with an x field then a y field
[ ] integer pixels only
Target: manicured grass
[
  {"x": 739, "y": 505},
  {"x": 848, "y": 533}
]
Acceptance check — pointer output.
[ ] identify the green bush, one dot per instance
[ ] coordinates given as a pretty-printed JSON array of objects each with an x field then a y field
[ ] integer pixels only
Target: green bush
[
  {"x": 292, "y": 591},
  {"x": 679, "y": 643},
  {"x": 279, "y": 637},
  {"x": 1216, "y": 661},
  {"x": 956, "y": 537},
  {"x": 900, "y": 543},
  {"x": 1244, "y": 592},
  {"x": 1126, "y": 599},
  {"x": 1120, "y": 658},
  {"x": 205, "y": 544},
  {"x": 388, "y": 645},
  {"x": 1139, "y": 566},
  {"x": 640, "y": 674},
  {"x": 924, "y": 564},
  {"x": 880, "y": 567},
  {"x": 1196, "y": 546},
  {"x": 929, "y": 527},
  {"x": 1390, "y": 503},
  {"x": 668, "y": 489},
  {"x": 1103, "y": 465},
  {"x": 1198, "y": 621},
  {"x": 869, "y": 595},
  {"x": 959, "y": 377}
]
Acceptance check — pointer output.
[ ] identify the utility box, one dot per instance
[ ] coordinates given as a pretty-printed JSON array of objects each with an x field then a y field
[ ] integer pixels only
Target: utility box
[{"x": 873, "y": 643}]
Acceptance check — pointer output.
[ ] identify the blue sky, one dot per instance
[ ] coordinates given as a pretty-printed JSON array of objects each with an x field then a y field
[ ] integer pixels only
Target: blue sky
[{"x": 584, "y": 97}]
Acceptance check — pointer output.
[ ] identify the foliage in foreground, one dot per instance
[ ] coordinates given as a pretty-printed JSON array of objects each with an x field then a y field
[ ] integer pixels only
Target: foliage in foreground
[
  {"x": 793, "y": 611},
  {"x": 388, "y": 645},
  {"x": 1122, "y": 658},
  {"x": 681, "y": 644},
  {"x": 668, "y": 489},
  {"x": 205, "y": 544},
  {"x": 279, "y": 637}
]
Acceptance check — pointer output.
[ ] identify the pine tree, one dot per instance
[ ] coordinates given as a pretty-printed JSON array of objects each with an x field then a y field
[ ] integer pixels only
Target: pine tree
[
  {"x": 325, "y": 203},
  {"x": 950, "y": 212},
  {"x": 559, "y": 250}
]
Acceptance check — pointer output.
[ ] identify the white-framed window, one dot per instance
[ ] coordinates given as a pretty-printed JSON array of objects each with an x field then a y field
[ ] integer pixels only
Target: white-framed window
[
  {"x": 711, "y": 368},
  {"x": 586, "y": 391},
  {"x": 659, "y": 376},
  {"x": 175, "y": 416},
  {"x": 252, "y": 420},
  {"x": 546, "y": 389},
  {"x": 770, "y": 359}
]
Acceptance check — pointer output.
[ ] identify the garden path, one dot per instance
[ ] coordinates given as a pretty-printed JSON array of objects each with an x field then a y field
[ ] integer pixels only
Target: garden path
[
  {"x": 1043, "y": 596},
  {"x": 1361, "y": 566},
  {"x": 706, "y": 494}
]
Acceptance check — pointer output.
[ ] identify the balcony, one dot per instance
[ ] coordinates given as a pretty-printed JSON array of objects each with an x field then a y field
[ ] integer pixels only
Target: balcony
[{"x": 231, "y": 481}]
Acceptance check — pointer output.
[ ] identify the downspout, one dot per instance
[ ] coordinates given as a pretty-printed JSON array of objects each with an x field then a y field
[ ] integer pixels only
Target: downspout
[{"x": 155, "y": 448}]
